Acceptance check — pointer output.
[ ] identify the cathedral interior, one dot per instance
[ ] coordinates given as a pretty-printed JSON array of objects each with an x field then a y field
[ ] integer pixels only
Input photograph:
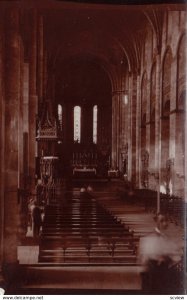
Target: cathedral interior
[{"x": 92, "y": 132}]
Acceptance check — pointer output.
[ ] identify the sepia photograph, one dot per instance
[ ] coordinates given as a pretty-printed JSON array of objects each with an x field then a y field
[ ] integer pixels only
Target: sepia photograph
[{"x": 93, "y": 147}]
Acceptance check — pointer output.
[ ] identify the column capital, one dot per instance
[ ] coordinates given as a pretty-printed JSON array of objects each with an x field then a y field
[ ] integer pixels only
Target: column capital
[{"x": 119, "y": 92}]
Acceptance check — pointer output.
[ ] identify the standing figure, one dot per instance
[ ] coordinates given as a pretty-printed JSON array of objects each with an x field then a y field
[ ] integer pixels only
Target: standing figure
[
  {"x": 36, "y": 219},
  {"x": 159, "y": 256},
  {"x": 31, "y": 205},
  {"x": 39, "y": 191}
]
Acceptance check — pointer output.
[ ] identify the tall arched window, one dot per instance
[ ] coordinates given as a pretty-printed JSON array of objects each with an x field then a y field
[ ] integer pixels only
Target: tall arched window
[
  {"x": 77, "y": 124},
  {"x": 60, "y": 115},
  {"x": 95, "y": 124}
]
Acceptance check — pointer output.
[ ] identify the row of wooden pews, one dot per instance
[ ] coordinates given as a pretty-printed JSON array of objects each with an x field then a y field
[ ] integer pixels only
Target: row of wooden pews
[
  {"x": 81, "y": 231},
  {"x": 132, "y": 215},
  {"x": 170, "y": 205}
]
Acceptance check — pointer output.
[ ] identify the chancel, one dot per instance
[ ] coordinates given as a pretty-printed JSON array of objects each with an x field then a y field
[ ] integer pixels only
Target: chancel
[{"x": 93, "y": 139}]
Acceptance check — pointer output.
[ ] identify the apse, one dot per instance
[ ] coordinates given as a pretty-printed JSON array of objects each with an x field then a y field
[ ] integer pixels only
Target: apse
[{"x": 82, "y": 87}]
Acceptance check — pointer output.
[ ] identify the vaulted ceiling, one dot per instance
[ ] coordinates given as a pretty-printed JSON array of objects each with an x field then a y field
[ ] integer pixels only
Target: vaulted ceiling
[
  {"x": 110, "y": 34},
  {"x": 107, "y": 36}
]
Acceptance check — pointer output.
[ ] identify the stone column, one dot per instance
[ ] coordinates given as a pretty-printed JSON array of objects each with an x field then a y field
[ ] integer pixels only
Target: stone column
[
  {"x": 129, "y": 127},
  {"x": 32, "y": 98},
  {"x": 148, "y": 128},
  {"x": 173, "y": 126},
  {"x": 89, "y": 124},
  {"x": 40, "y": 73},
  {"x": 114, "y": 138},
  {"x": 84, "y": 124},
  {"x": 148, "y": 115},
  {"x": 45, "y": 75},
  {"x": 158, "y": 127},
  {"x": 185, "y": 143},
  {"x": 12, "y": 94},
  {"x": 40, "y": 59},
  {"x": 42, "y": 86},
  {"x": 2, "y": 142},
  {"x": 173, "y": 108},
  {"x": 133, "y": 127},
  {"x": 121, "y": 143},
  {"x": 185, "y": 157},
  {"x": 25, "y": 122},
  {"x": 118, "y": 98},
  {"x": 124, "y": 100},
  {"x": 20, "y": 119},
  {"x": 138, "y": 132},
  {"x": 116, "y": 129}
]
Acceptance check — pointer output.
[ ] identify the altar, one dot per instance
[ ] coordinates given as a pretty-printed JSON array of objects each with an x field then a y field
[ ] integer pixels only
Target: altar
[{"x": 84, "y": 172}]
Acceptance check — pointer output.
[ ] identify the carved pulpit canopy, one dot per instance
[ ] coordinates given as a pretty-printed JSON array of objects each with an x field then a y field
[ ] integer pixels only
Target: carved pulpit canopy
[{"x": 47, "y": 128}]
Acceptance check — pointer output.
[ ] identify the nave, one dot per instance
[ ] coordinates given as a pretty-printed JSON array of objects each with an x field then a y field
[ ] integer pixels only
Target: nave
[
  {"x": 89, "y": 244},
  {"x": 91, "y": 93}
]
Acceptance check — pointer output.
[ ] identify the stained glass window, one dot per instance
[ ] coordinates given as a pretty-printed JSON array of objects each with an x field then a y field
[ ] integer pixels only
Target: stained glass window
[
  {"x": 95, "y": 124},
  {"x": 60, "y": 115},
  {"x": 77, "y": 124}
]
